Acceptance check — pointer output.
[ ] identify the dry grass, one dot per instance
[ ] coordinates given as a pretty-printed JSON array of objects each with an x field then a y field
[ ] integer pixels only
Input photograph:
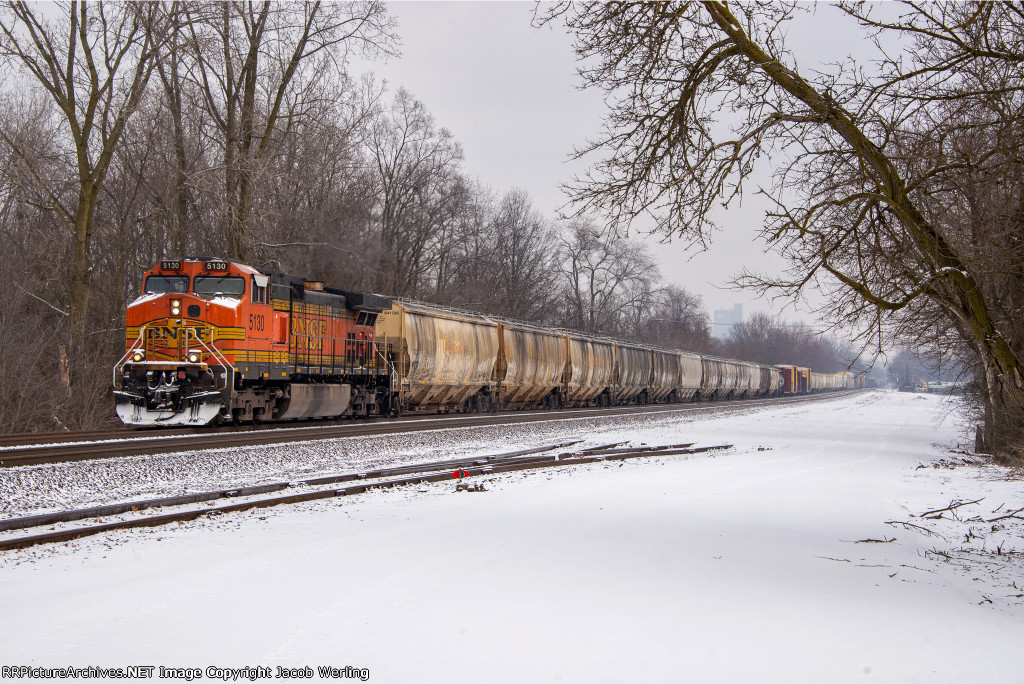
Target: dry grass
[{"x": 1011, "y": 456}]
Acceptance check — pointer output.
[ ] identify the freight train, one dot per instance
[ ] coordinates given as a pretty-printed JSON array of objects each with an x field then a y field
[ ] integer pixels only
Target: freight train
[{"x": 210, "y": 340}]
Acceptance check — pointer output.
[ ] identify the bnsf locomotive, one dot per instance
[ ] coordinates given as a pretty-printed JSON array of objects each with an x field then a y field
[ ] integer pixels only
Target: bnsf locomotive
[{"x": 210, "y": 340}]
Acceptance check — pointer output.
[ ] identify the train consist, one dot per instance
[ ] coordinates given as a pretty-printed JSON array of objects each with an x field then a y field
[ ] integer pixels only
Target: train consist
[{"x": 211, "y": 340}]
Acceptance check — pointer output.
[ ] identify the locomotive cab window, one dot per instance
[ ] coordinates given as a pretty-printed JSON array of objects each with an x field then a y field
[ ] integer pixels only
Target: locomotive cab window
[
  {"x": 158, "y": 284},
  {"x": 260, "y": 287},
  {"x": 228, "y": 286}
]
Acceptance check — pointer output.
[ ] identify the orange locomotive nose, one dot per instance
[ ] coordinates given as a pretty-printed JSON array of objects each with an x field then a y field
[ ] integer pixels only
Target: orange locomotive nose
[{"x": 211, "y": 339}]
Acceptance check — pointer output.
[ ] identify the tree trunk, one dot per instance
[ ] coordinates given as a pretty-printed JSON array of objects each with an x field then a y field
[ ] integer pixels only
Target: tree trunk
[{"x": 79, "y": 295}]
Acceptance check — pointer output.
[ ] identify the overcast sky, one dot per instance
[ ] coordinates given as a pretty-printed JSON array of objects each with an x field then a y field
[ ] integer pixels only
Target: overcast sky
[{"x": 508, "y": 92}]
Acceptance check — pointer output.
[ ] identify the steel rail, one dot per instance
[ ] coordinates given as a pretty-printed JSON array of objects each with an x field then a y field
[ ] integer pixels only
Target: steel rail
[
  {"x": 140, "y": 444},
  {"x": 501, "y": 465},
  {"x": 39, "y": 520}
]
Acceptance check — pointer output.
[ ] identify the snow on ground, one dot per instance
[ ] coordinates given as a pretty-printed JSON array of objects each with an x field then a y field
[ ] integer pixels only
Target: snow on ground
[
  {"x": 44, "y": 488},
  {"x": 754, "y": 564}
]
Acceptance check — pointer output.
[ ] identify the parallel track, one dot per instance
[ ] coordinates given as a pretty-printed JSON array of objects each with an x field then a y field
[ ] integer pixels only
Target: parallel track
[
  {"x": 421, "y": 473},
  {"x": 137, "y": 443}
]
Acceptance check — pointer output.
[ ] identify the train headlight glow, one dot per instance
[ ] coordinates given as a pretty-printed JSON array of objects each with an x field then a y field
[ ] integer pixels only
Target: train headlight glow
[
  {"x": 175, "y": 307},
  {"x": 138, "y": 356},
  {"x": 194, "y": 356}
]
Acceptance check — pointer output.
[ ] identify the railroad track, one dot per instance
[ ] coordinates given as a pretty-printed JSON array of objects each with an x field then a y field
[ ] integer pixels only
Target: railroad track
[
  {"x": 96, "y": 445},
  {"x": 314, "y": 489}
]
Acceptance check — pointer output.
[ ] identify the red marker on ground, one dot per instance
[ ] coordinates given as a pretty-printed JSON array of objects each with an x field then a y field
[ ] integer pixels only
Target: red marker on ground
[{"x": 460, "y": 473}]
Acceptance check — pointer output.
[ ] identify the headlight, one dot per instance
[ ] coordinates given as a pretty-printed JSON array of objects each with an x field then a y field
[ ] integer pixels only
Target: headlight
[
  {"x": 138, "y": 356},
  {"x": 175, "y": 307},
  {"x": 194, "y": 356}
]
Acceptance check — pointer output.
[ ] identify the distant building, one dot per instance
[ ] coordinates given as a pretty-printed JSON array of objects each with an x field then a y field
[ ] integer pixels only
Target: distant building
[{"x": 725, "y": 319}]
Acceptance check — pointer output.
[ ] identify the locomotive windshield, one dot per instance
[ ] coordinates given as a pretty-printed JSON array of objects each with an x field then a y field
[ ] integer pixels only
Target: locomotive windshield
[
  {"x": 231, "y": 286},
  {"x": 158, "y": 284}
]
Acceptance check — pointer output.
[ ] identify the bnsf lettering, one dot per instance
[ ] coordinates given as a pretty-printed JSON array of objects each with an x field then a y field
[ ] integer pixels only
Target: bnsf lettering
[
  {"x": 308, "y": 333},
  {"x": 168, "y": 333}
]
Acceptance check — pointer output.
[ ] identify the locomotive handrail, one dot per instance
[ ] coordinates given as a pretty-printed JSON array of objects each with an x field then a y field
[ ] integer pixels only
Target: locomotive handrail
[
  {"x": 213, "y": 351},
  {"x": 120, "y": 364},
  {"x": 387, "y": 362},
  {"x": 190, "y": 332}
]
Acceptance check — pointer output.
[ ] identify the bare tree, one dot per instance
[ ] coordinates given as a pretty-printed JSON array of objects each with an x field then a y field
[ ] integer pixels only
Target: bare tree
[
  {"x": 851, "y": 210},
  {"x": 765, "y": 338},
  {"x": 522, "y": 262},
  {"x": 603, "y": 276},
  {"x": 418, "y": 187},
  {"x": 258, "y": 67},
  {"x": 317, "y": 209},
  {"x": 94, "y": 61},
  {"x": 464, "y": 267},
  {"x": 678, "y": 320}
]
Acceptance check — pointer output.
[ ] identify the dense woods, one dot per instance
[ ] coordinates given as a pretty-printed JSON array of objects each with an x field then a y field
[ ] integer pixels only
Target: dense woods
[{"x": 131, "y": 132}]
